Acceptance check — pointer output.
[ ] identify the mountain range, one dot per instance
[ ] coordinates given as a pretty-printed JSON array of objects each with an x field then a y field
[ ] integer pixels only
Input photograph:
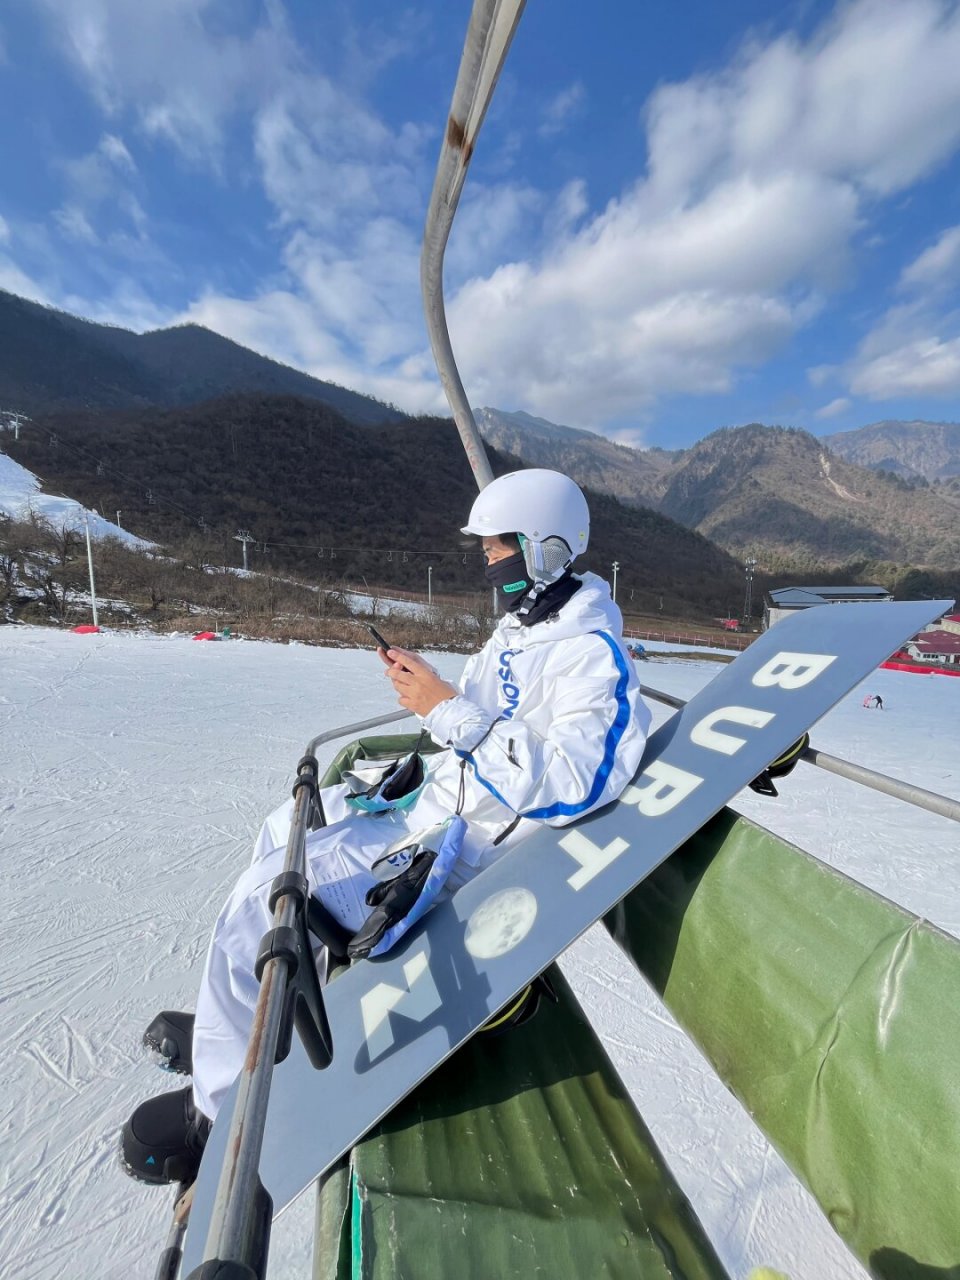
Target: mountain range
[
  {"x": 779, "y": 494},
  {"x": 930, "y": 450},
  {"x": 636, "y": 476},
  {"x": 879, "y": 502},
  {"x": 50, "y": 361}
]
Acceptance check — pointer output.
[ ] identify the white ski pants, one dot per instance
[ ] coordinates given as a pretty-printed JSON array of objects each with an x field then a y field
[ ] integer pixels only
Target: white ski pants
[{"x": 338, "y": 859}]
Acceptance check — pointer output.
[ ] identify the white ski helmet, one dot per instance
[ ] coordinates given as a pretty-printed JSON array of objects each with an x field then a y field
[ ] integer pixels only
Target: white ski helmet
[{"x": 546, "y": 508}]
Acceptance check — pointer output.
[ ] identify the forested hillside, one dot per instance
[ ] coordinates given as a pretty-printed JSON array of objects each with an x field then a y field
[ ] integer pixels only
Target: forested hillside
[{"x": 324, "y": 497}]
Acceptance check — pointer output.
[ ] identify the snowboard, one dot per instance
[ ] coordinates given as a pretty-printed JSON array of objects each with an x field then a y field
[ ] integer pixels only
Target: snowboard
[{"x": 396, "y": 1018}]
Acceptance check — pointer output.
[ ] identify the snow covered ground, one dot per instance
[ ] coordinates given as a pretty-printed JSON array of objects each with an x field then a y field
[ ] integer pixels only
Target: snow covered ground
[
  {"x": 133, "y": 773},
  {"x": 20, "y": 494}
]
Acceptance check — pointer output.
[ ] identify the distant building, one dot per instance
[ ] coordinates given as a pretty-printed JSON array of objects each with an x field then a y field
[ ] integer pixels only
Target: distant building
[
  {"x": 786, "y": 600},
  {"x": 935, "y": 646},
  {"x": 951, "y": 623}
]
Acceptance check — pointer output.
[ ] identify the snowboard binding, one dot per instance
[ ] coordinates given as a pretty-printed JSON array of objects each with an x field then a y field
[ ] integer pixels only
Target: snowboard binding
[{"x": 522, "y": 1009}]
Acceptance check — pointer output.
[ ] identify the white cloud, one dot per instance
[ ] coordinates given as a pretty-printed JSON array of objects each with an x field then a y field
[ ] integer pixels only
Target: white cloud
[
  {"x": 15, "y": 280},
  {"x": 324, "y": 157},
  {"x": 912, "y": 351},
  {"x": 819, "y": 375},
  {"x": 114, "y": 149},
  {"x": 914, "y": 348},
  {"x": 4, "y": 230},
  {"x": 938, "y": 266},
  {"x": 562, "y": 109},
  {"x": 182, "y": 66},
  {"x": 834, "y": 408},
  {"x": 873, "y": 97},
  {"x": 285, "y": 326},
  {"x": 126, "y": 303},
  {"x": 754, "y": 197},
  {"x": 73, "y": 223},
  {"x": 492, "y": 220},
  {"x": 101, "y": 187},
  {"x": 928, "y": 366}
]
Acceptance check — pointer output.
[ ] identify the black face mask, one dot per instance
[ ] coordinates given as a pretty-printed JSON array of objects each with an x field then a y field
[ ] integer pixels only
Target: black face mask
[{"x": 509, "y": 576}]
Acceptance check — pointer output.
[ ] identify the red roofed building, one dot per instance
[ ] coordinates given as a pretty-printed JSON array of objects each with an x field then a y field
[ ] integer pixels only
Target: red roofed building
[
  {"x": 951, "y": 623},
  {"x": 935, "y": 646}
]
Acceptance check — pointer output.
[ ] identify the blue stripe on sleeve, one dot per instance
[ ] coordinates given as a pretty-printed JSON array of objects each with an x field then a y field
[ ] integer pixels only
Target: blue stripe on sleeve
[{"x": 611, "y": 742}]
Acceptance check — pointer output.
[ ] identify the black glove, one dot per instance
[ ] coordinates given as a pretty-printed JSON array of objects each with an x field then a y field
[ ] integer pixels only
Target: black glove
[
  {"x": 779, "y": 768},
  {"x": 392, "y": 900}
]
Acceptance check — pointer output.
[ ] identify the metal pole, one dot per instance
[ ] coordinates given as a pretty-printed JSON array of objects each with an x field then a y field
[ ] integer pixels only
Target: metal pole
[
  {"x": 430, "y": 584},
  {"x": 616, "y": 567},
  {"x": 492, "y": 24},
  {"x": 237, "y": 1189},
  {"x": 93, "y": 586},
  {"x": 859, "y": 773},
  {"x": 229, "y": 1237},
  {"x": 119, "y": 514}
]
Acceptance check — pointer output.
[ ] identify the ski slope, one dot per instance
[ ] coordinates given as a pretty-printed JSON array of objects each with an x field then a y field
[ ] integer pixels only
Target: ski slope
[
  {"x": 20, "y": 493},
  {"x": 134, "y": 770}
]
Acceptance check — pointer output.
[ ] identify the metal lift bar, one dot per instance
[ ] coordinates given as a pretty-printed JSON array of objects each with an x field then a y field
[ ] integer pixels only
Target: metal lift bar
[
  {"x": 492, "y": 24},
  {"x": 881, "y": 782}
]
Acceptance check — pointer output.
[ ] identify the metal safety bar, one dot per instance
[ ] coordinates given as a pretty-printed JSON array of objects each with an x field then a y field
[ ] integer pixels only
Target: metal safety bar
[
  {"x": 348, "y": 730},
  {"x": 881, "y": 782}
]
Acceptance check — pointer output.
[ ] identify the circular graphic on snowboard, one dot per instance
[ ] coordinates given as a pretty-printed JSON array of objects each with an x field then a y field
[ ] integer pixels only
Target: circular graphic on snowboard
[{"x": 500, "y": 924}]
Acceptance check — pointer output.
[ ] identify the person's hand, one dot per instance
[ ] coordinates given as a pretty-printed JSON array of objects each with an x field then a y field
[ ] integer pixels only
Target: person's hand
[{"x": 418, "y": 686}]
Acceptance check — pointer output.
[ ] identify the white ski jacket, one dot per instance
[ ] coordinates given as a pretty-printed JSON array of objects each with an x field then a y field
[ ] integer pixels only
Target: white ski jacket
[{"x": 550, "y": 725}]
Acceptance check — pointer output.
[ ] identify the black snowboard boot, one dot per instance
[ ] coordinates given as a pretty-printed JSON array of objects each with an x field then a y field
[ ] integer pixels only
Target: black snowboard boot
[
  {"x": 164, "y": 1139},
  {"x": 170, "y": 1035}
]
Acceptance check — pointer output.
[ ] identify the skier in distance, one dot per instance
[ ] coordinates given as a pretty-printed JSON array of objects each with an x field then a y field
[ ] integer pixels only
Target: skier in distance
[{"x": 545, "y": 725}]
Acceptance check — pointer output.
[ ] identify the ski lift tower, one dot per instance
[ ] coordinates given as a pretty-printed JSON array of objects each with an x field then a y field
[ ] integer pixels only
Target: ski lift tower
[
  {"x": 749, "y": 567},
  {"x": 245, "y": 537},
  {"x": 13, "y": 420}
]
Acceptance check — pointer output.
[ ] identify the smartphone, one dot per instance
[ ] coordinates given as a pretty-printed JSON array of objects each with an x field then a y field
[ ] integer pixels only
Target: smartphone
[{"x": 381, "y": 643}]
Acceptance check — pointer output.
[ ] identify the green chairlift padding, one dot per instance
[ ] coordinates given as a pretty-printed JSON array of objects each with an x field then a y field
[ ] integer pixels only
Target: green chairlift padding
[
  {"x": 521, "y": 1156},
  {"x": 833, "y": 1015}
]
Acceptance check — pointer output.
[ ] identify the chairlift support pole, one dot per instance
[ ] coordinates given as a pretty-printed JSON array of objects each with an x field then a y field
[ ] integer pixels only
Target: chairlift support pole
[{"x": 492, "y": 24}]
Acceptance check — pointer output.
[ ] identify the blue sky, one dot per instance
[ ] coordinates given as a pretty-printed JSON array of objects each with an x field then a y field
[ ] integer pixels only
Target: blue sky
[{"x": 678, "y": 217}]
